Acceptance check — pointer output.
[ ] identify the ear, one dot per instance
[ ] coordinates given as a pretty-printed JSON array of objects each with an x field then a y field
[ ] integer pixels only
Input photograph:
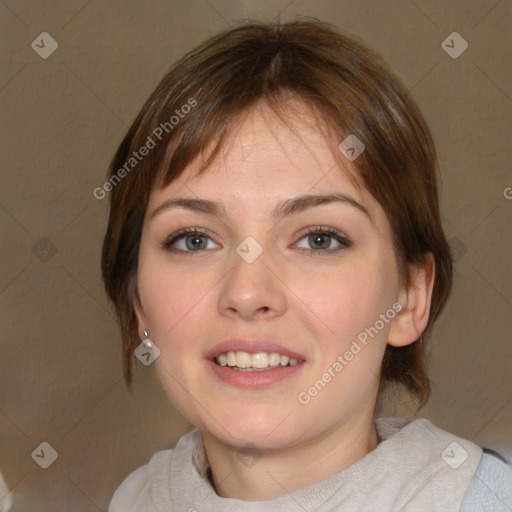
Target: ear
[
  {"x": 137, "y": 307},
  {"x": 413, "y": 318}
]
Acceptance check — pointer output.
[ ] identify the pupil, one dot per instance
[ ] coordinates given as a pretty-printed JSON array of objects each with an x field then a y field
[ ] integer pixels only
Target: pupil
[
  {"x": 195, "y": 241},
  {"x": 318, "y": 239}
]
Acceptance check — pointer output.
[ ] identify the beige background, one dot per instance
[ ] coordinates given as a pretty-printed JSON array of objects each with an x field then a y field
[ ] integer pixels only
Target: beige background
[{"x": 62, "y": 119}]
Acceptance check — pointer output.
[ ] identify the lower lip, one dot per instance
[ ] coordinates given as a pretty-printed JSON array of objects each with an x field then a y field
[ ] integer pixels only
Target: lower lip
[{"x": 253, "y": 379}]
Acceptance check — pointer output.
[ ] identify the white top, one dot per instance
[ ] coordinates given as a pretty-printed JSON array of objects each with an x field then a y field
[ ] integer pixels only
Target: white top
[{"x": 416, "y": 467}]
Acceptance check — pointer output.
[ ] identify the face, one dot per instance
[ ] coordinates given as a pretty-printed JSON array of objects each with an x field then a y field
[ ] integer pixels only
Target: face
[{"x": 308, "y": 284}]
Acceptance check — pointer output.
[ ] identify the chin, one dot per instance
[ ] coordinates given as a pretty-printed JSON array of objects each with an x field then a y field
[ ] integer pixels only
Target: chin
[{"x": 261, "y": 430}]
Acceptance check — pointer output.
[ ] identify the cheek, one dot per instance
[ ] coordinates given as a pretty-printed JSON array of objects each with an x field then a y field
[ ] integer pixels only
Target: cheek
[
  {"x": 175, "y": 305},
  {"x": 344, "y": 298},
  {"x": 347, "y": 302},
  {"x": 169, "y": 297}
]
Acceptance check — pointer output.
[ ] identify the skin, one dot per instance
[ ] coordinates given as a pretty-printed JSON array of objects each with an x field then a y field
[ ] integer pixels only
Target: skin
[{"x": 315, "y": 305}]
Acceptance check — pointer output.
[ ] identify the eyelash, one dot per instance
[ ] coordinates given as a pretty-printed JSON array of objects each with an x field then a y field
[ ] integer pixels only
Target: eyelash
[{"x": 343, "y": 240}]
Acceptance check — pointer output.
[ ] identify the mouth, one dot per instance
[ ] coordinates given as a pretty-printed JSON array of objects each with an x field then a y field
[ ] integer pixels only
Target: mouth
[{"x": 255, "y": 362}]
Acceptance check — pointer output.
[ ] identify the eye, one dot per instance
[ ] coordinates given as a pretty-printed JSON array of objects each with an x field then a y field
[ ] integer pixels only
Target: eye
[
  {"x": 193, "y": 240},
  {"x": 321, "y": 240},
  {"x": 187, "y": 241}
]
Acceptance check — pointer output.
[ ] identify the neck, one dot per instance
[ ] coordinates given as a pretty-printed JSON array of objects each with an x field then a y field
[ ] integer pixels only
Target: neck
[{"x": 264, "y": 476}]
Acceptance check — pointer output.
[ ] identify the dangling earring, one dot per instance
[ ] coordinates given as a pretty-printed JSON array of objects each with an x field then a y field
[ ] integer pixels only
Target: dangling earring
[
  {"x": 147, "y": 342},
  {"x": 147, "y": 351}
]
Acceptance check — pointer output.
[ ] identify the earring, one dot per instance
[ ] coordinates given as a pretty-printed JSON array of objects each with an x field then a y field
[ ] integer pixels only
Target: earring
[{"x": 147, "y": 342}]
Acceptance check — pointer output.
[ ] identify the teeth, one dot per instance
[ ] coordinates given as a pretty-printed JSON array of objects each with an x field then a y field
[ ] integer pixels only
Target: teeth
[
  {"x": 231, "y": 359},
  {"x": 259, "y": 360},
  {"x": 243, "y": 360},
  {"x": 274, "y": 359}
]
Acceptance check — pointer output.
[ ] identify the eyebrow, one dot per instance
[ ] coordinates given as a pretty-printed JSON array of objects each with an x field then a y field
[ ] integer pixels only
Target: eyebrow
[{"x": 291, "y": 206}]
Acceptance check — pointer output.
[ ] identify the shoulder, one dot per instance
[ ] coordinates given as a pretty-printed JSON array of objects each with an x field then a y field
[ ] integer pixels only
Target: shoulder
[
  {"x": 147, "y": 489},
  {"x": 491, "y": 485},
  {"x": 134, "y": 493},
  {"x": 130, "y": 489}
]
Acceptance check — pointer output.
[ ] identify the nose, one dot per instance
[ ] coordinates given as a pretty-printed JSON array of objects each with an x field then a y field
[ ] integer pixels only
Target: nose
[{"x": 252, "y": 290}]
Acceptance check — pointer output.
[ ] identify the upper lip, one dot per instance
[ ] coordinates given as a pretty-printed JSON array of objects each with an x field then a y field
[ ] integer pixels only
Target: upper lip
[{"x": 251, "y": 345}]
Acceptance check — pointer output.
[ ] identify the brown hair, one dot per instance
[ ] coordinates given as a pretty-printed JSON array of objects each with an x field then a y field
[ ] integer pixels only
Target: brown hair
[{"x": 347, "y": 85}]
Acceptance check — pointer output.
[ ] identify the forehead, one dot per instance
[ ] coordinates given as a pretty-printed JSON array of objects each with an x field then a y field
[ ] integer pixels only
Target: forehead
[
  {"x": 269, "y": 157},
  {"x": 267, "y": 153}
]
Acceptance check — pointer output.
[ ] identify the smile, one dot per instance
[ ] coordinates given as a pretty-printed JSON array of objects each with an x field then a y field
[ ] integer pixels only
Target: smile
[
  {"x": 254, "y": 371},
  {"x": 250, "y": 362},
  {"x": 259, "y": 361}
]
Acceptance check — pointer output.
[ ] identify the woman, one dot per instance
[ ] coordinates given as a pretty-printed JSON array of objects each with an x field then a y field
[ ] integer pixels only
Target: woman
[{"x": 275, "y": 247}]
